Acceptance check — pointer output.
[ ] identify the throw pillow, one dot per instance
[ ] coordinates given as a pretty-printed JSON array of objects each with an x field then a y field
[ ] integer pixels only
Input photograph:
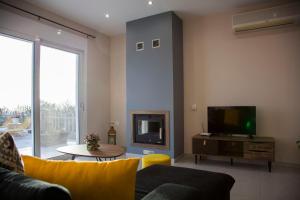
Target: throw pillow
[
  {"x": 87, "y": 180},
  {"x": 9, "y": 155}
]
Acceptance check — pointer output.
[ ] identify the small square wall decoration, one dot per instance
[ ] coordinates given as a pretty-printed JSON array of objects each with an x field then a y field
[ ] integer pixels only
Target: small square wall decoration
[
  {"x": 139, "y": 46},
  {"x": 156, "y": 43}
]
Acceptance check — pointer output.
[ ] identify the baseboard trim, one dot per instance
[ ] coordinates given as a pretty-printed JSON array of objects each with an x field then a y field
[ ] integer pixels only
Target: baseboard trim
[
  {"x": 133, "y": 155},
  {"x": 285, "y": 164},
  {"x": 178, "y": 158}
]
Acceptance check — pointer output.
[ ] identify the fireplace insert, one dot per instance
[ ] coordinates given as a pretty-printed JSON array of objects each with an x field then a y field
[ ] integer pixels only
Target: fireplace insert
[{"x": 149, "y": 129}]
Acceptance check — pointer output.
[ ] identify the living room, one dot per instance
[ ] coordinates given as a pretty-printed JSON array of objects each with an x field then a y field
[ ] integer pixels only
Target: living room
[{"x": 174, "y": 65}]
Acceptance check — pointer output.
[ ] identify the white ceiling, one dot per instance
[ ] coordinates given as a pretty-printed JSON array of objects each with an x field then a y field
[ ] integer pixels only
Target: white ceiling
[{"x": 91, "y": 13}]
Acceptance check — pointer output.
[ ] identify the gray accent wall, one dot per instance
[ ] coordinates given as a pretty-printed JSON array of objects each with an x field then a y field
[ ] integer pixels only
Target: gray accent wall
[
  {"x": 178, "y": 86},
  {"x": 154, "y": 76}
]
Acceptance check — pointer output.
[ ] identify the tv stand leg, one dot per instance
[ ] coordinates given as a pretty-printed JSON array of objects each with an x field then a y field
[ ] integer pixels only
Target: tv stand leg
[
  {"x": 270, "y": 166},
  {"x": 231, "y": 161},
  {"x": 196, "y": 158}
]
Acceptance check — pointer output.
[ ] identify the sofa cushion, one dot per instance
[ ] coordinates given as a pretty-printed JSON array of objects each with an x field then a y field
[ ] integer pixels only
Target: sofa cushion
[
  {"x": 9, "y": 155},
  {"x": 171, "y": 191},
  {"x": 206, "y": 182},
  {"x": 15, "y": 186},
  {"x": 87, "y": 180}
]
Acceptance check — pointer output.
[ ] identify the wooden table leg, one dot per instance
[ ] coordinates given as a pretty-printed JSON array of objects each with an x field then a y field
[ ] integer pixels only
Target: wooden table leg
[
  {"x": 98, "y": 159},
  {"x": 270, "y": 166}
]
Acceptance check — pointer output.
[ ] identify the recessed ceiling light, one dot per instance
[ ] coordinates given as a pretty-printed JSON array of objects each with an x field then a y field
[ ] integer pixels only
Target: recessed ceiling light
[
  {"x": 58, "y": 32},
  {"x": 106, "y": 15},
  {"x": 150, "y": 3},
  {"x": 37, "y": 38}
]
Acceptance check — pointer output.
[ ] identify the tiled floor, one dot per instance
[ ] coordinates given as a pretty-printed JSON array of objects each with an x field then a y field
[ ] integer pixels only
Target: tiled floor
[{"x": 253, "y": 181}]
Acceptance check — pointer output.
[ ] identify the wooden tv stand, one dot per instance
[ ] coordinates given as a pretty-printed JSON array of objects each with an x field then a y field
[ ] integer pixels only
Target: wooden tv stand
[{"x": 257, "y": 148}]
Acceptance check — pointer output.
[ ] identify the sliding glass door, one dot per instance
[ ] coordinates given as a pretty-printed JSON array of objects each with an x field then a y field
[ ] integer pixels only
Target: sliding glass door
[
  {"x": 16, "y": 91},
  {"x": 39, "y": 95},
  {"x": 58, "y": 99}
]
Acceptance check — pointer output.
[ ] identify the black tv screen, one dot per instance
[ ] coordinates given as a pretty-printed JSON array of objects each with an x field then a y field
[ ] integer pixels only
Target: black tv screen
[{"x": 232, "y": 120}]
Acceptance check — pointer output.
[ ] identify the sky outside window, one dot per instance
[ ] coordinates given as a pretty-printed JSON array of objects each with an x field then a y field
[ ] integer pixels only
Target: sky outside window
[
  {"x": 15, "y": 72},
  {"x": 58, "y": 76}
]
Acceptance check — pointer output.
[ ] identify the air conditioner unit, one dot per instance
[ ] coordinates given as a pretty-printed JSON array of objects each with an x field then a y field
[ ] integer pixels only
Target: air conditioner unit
[{"x": 266, "y": 18}]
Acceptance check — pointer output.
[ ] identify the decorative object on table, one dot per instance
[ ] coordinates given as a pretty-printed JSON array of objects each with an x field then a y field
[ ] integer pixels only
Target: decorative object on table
[
  {"x": 112, "y": 134},
  {"x": 298, "y": 143},
  {"x": 91, "y": 141}
]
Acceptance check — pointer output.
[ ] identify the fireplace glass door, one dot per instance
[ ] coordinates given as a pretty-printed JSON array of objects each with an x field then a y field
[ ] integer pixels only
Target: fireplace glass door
[{"x": 149, "y": 129}]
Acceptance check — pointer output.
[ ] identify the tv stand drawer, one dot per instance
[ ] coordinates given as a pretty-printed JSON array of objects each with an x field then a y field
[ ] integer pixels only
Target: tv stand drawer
[
  {"x": 258, "y": 155},
  {"x": 259, "y": 146},
  {"x": 203, "y": 146},
  {"x": 231, "y": 148}
]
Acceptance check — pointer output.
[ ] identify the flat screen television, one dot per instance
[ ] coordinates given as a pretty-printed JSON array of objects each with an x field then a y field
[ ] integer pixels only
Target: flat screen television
[{"x": 240, "y": 120}]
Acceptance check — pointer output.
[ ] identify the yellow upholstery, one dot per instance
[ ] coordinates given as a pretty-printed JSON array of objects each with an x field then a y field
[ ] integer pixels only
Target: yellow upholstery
[
  {"x": 87, "y": 180},
  {"x": 153, "y": 159}
]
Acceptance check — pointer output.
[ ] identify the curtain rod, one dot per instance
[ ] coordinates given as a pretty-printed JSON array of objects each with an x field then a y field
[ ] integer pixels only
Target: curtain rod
[{"x": 49, "y": 20}]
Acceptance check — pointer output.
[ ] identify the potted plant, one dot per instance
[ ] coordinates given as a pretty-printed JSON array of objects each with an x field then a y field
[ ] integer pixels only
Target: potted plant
[{"x": 91, "y": 141}]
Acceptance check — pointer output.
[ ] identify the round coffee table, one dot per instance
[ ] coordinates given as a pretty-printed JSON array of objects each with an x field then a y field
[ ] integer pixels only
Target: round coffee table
[{"x": 106, "y": 151}]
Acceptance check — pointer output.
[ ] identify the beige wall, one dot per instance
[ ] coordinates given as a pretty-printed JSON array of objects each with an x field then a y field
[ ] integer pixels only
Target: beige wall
[
  {"x": 117, "y": 81},
  {"x": 261, "y": 69},
  {"x": 221, "y": 68},
  {"x": 98, "y": 86}
]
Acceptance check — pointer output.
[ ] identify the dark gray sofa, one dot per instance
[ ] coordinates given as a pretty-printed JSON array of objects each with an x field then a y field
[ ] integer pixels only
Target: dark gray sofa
[
  {"x": 153, "y": 183},
  {"x": 208, "y": 185},
  {"x": 15, "y": 186}
]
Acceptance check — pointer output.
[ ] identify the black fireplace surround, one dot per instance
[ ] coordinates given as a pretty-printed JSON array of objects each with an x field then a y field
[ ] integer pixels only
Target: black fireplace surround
[{"x": 149, "y": 129}]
